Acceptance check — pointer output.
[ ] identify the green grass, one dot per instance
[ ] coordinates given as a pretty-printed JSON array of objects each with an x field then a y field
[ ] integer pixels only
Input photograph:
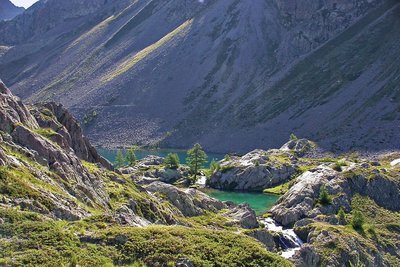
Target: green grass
[
  {"x": 15, "y": 183},
  {"x": 279, "y": 189},
  {"x": 45, "y": 132},
  {"x": 49, "y": 243}
]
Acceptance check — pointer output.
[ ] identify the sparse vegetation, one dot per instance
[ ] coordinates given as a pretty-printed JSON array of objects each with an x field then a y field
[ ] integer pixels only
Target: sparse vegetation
[
  {"x": 279, "y": 189},
  {"x": 293, "y": 137},
  {"x": 46, "y": 132}
]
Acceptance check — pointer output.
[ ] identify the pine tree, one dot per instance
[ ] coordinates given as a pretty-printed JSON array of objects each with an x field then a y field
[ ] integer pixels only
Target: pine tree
[
  {"x": 119, "y": 160},
  {"x": 131, "y": 156},
  {"x": 172, "y": 161},
  {"x": 341, "y": 216},
  {"x": 324, "y": 197},
  {"x": 358, "y": 220},
  {"x": 196, "y": 159}
]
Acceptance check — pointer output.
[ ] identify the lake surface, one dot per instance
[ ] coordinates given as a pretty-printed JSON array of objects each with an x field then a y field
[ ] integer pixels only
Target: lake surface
[
  {"x": 110, "y": 154},
  {"x": 260, "y": 202}
]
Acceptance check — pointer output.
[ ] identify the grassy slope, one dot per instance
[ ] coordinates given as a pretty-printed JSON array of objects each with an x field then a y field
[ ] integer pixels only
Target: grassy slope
[{"x": 31, "y": 239}]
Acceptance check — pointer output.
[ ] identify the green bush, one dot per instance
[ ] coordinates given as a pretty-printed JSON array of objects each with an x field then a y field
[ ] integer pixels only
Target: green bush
[
  {"x": 357, "y": 220},
  {"x": 341, "y": 216},
  {"x": 324, "y": 197},
  {"x": 338, "y": 166},
  {"x": 214, "y": 166},
  {"x": 293, "y": 137}
]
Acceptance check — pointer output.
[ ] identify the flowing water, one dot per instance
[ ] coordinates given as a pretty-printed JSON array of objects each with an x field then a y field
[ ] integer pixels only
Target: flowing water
[{"x": 289, "y": 240}]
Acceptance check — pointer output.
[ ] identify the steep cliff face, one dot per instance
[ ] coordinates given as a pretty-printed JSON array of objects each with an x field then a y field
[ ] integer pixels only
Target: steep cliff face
[
  {"x": 8, "y": 10},
  {"x": 42, "y": 155},
  {"x": 189, "y": 74}
]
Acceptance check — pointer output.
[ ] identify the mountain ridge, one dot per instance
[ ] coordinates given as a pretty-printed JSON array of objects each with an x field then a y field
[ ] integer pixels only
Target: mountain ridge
[
  {"x": 8, "y": 10},
  {"x": 245, "y": 64}
]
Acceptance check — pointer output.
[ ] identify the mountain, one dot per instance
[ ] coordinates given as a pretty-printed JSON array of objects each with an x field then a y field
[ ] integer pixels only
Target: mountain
[
  {"x": 233, "y": 75},
  {"x": 8, "y": 10}
]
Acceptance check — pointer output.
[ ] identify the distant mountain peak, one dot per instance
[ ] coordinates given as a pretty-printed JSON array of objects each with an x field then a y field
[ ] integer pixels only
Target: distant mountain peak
[{"x": 8, "y": 10}]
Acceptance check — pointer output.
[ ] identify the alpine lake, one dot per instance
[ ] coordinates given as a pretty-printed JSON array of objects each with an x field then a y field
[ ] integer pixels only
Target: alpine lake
[{"x": 260, "y": 202}]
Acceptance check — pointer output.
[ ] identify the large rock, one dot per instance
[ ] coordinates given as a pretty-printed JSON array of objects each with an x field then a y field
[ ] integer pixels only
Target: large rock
[
  {"x": 254, "y": 171},
  {"x": 243, "y": 216},
  {"x": 299, "y": 146},
  {"x": 265, "y": 237},
  {"x": 300, "y": 199},
  {"x": 190, "y": 202},
  {"x": 171, "y": 175},
  {"x": 60, "y": 168}
]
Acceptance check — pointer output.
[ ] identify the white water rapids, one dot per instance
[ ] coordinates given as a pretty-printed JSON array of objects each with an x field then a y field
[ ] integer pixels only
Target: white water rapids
[{"x": 291, "y": 242}]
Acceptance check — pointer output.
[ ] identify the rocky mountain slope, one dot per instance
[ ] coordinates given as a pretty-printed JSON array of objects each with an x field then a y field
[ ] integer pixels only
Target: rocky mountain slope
[
  {"x": 8, "y": 10},
  {"x": 234, "y": 75},
  {"x": 62, "y": 204}
]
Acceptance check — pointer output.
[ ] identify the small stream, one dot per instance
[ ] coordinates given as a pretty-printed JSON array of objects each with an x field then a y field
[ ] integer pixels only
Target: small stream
[{"x": 289, "y": 240}]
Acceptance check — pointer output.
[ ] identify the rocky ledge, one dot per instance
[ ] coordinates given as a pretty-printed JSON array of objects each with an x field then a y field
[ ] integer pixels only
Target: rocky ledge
[{"x": 260, "y": 169}]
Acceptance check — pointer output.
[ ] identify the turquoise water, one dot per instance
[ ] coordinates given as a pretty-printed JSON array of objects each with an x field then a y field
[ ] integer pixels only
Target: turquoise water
[
  {"x": 260, "y": 202},
  {"x": 110, "y": 154}
]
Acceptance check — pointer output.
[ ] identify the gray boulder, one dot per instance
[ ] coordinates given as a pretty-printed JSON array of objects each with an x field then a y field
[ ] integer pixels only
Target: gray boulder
[
  {"x": 254, "y": 171},
  {"x": 242, "y": 216},
  {"x": 190, "y": 202},
  {"x": 263, "y": 236},
  {"x": 300, "y": 146}
]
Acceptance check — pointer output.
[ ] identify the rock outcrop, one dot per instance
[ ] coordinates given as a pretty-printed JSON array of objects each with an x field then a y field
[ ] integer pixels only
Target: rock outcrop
[
  {"x": 190, "y": 202},
  {"x": 254, "y": 171},
  {"x": 365, "y": 185},
  {"x": 302, "y": 198},
  {"x": 57, "y": 118},
  {"x": 243, "y": 216}
]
